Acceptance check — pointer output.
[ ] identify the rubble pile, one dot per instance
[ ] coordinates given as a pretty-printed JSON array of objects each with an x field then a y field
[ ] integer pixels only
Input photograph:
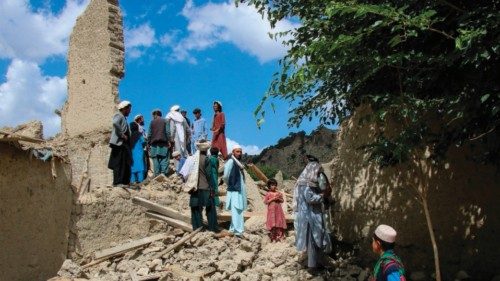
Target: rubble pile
[{"x": 201, "y": 257}]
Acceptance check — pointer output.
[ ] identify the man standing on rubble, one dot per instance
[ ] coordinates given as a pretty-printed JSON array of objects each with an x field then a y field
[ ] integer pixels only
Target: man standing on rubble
[
  {"x": 158, "y": 140},
  {"x": 198, "y": 128},
  {"x": 204, "y": 195},
  {"x": 179, "y": 130},
  {"x": 120, "y": 159},
  {"x": 236, "y": 200}
]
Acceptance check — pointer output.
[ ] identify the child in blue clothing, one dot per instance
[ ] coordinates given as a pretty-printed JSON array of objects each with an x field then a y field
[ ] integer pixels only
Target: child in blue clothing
[{"x": 389, "y": 266}]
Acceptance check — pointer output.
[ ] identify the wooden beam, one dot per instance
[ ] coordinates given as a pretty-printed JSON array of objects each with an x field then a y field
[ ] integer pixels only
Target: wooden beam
[
  {"x": 149, "y": 277},
  {"x": 258, "y": 172},
  {"x": 123, "y": 248},
  {"x": 178, "y": 243},
  {"x": 169, "y": 212},
  {"x": 173, "y": 222},
  {"x": 16, "y": 137}
]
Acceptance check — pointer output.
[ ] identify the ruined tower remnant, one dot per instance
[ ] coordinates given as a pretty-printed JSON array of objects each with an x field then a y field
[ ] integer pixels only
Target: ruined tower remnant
[{"x": 95, "y": 67}]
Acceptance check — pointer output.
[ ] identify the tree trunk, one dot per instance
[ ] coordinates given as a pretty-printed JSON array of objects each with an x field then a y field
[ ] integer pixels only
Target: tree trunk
[{"x": 433, "y": 238}]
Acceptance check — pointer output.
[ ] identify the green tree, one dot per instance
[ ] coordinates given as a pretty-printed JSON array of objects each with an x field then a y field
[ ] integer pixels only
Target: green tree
[{"x": 411, "y": 62}]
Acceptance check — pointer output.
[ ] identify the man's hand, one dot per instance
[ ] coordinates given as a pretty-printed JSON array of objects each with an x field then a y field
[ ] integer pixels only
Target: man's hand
[{"x": 124, "y": 137}]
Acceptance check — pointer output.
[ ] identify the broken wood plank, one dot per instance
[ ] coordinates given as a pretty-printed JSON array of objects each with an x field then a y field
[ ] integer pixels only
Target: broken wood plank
[
  {"x": 178, "y": 243},
  {"x": 166, "y": 211},
  {"x": 173, "y": 222},
  {"x": 94, "y": 262},
  {"x": 123, "y": 248},
  {"x": 149, "y": 277},
  {"x": 258, "y": 172},
  {"x": 15, "y": 137}
]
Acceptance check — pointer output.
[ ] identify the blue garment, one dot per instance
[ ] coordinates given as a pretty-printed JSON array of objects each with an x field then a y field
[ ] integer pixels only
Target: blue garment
[
  {"x": 394, "y": 276},
  {"x": 180, "y": 164},
  {"x": 309, "y": 216},
  {"x": 199, "y": 132},
  {"x": 236, "y": 201},
  {"x": 234, "y": 180},
  {"x": 389, "y": 267},
  {"x": 138, "y": 164}
]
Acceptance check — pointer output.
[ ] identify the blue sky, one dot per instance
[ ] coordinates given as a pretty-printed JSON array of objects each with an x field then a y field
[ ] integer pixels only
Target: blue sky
[{"x": 177, "y": 52}]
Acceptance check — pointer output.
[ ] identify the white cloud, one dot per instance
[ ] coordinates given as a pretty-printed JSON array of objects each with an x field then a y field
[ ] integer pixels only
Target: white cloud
[
  {"x": 29, "y": 95},
  {"x": 248, "y": 149},
  {"x": 138, "y": 39},
  {"x": 35, "y": 35},
  {"x": 244, "y": 27}
]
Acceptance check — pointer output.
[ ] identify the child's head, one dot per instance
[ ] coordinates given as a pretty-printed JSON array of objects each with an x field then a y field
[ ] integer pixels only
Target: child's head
[
  {"x": 214, "y": 151},
  {"x": 272, "y": 184},
  {"x": 384, "y": 239}
]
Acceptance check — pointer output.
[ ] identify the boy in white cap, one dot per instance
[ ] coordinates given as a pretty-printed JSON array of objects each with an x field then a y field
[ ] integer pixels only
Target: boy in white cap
[{"x": 389, "y": 266}]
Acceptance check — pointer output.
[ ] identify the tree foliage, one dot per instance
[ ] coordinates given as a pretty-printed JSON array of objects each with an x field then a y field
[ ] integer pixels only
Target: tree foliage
[{"x": 411, "y": 61}]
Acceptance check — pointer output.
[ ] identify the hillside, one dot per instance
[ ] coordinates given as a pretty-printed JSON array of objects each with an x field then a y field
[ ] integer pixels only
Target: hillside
[{"x": 287, "y": 154}]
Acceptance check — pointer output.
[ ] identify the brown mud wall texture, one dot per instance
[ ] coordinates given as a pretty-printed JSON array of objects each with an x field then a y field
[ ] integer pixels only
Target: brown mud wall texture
[
  {"x": 106, "y": 216},
  {"x": 34, "y": 215},
  {"x": 464, "y": 203},
  {"x": 95, "y": 67}
]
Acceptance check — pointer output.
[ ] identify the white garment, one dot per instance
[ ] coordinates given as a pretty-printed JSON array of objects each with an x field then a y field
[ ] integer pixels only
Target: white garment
[
  {"x": 180, "y": 134},
  {"x": 190, "y": 171}
]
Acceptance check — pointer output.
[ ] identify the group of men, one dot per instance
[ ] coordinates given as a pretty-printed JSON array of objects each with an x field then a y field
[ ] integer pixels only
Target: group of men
[
  {"x": 131, "y": 147},
  {"x": 186, "y": 141}
]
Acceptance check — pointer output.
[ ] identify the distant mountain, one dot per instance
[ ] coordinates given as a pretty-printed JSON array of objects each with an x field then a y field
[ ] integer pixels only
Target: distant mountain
[{"x": 288, "y": 153}]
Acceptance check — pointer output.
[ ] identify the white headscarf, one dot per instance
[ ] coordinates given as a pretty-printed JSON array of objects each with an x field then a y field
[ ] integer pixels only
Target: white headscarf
[
  {"x": 308, "y": 177},
  {"x": 178, "y": 119}
]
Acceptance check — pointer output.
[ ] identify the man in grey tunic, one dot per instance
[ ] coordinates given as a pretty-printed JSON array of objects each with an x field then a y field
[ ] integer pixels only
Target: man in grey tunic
[
  {"x": 311, "y": 235},
  {"x": 120, "y": 158}
]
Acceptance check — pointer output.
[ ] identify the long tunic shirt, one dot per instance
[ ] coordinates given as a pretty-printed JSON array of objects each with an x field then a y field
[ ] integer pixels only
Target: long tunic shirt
[
  {"x": 236, "y": 201},
  {"x": 199, "y": 129},
  {"x": 219, "y": 136},
  {"x": 275, "y": 215},
  {"x": 309, "y": 215}
]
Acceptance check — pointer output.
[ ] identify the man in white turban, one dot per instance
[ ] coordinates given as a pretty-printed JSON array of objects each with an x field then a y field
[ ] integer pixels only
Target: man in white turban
[{"x": 179, "y": 130}]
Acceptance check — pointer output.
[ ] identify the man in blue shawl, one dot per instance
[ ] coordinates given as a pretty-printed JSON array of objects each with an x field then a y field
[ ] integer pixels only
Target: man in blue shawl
[{"x": 236, "y": 198}]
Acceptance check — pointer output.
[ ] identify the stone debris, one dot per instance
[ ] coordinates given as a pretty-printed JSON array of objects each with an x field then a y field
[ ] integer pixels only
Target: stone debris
[{"x": 203, "y": 256}]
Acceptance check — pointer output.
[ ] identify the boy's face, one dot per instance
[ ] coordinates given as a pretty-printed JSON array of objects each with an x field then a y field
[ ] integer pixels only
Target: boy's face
[
  {"x": 273, "y": 187},
  {"x": 376, "y": 247}
]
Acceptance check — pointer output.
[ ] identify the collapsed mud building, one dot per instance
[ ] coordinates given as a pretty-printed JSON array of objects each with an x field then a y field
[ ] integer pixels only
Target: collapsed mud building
[{"x": 60, "y": 217}]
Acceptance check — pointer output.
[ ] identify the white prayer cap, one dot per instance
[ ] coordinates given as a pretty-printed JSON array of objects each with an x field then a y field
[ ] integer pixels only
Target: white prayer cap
[
  {"x": 203, "y": 146},
  {"x": 220, "y": 103},
  {"x": 386, "y": 233},
  {"x": 137, "y": 117},
  {"x": 123, "y": 104},
  {"x": 175, "y": 108},
  {"x": 237, "y": 146},
  {"x": 176, "y": 153}
]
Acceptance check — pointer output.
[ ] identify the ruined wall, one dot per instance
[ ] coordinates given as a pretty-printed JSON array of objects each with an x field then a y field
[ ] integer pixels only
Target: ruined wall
[
  {"x": 107, "y": 216},
  {"x": 464, "y": 204},
  {"x": 34, "y": 215},
  {"x": 95, "y": 67}
]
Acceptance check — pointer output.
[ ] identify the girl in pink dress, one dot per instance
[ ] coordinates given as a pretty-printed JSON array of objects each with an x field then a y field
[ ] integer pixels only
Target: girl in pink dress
[{"x": 275, "y": 223}]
